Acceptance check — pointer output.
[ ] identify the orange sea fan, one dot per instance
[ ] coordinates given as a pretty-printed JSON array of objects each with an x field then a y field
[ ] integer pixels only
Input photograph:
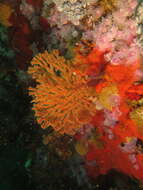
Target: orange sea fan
[{"x": 61, "y": 97}]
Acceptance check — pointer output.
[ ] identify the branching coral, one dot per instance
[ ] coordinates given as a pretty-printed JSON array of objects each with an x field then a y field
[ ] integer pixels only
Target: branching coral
[
  {"x": 96, "y": 87},
  {"x": 62, "y": 97}
]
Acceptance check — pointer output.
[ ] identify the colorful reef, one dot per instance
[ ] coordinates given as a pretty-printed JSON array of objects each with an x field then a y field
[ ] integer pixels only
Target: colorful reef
[{"x": 81, "y": 65}]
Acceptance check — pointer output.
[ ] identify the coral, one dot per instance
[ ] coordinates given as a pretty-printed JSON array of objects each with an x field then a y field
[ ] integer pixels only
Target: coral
[
  {"x": 31, "y": 12},
  {"x": 74, "y": 9},
  {"x": 90, "y": 92},
  {"x": 96, "y": 96},
  {"x": 108, "y": 5},
  {"x": 5, "y": 13},
  {"x": 113, "y": 35},
  {"x": 105, "y": 97},
  {"x": 27, "y": 9},
  {"x": 137, "y": 115},
  {"x": 139, "y": 22},
  {"x": 117, "y": 123},
  {"x": 21, "y": 37},
  {"x": 66, "y": 11},
  {"x": 61, "y": 97}
]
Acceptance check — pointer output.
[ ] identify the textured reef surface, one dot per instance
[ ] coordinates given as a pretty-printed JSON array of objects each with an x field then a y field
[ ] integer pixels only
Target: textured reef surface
[{"x": 71, "y": 94}]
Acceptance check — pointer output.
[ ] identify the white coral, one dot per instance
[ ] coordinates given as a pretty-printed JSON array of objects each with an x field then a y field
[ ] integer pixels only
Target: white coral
[{"x": 74, "y": 10}]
